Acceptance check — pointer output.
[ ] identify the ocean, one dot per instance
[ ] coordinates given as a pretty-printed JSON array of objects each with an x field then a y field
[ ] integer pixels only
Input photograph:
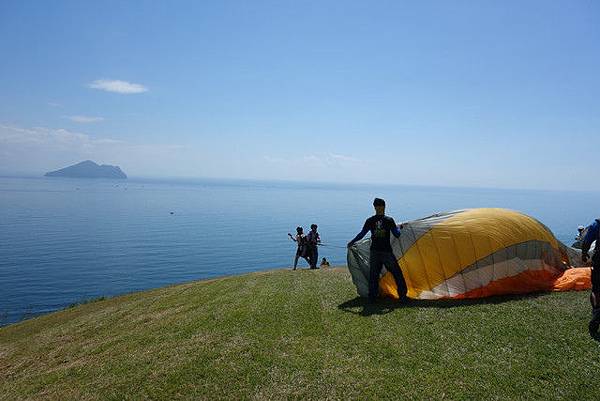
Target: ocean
[{"x": 64, "y": 241}]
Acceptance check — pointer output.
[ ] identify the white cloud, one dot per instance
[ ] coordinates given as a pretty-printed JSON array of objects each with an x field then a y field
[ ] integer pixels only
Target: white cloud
[
  {"x": 84, "y": 119},
  {"x": 54, "y": 104},
  {"x": 116, "y": 86}
]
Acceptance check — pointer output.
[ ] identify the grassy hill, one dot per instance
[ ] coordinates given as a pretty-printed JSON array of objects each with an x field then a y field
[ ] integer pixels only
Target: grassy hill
[{"x": 301, "y": 335}]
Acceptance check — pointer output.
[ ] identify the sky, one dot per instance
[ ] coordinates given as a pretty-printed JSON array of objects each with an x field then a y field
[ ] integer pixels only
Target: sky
[{"x": 456, "y": 93}]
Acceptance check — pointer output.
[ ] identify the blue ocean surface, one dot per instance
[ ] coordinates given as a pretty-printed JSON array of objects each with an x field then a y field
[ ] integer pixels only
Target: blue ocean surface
[{"x": 63, "y": 241}]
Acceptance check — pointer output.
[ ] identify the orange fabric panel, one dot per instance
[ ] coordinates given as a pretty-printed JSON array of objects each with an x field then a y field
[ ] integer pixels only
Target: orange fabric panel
[
  {"x": 576, "y": 279},
  {"x": 534, "y": 281},
  {"x": 387, "y": 286}
]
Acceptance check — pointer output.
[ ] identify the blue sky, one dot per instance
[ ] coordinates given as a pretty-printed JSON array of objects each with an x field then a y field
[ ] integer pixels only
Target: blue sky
[{"x": 474, "y": 93}]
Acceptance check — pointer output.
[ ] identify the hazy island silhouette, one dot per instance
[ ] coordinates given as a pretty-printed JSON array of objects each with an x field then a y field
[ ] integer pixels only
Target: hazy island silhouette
[{"x": 88, "y": 169}]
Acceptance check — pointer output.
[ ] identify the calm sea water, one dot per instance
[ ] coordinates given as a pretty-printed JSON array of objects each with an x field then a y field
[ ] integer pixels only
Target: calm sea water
[{"x": 66, "y": 240}]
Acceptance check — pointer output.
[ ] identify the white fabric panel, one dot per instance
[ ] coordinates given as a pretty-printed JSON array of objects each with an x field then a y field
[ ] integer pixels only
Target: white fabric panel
[
  {"x": 456, "y": 285},
  {"x": 486, "y": 274}
]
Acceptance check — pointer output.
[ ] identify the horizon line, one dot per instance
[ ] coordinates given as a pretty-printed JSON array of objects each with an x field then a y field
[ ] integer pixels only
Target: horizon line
[{"x": 190, "y": 179}]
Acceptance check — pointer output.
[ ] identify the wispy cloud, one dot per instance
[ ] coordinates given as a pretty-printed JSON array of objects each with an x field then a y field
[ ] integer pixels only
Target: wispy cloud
[
  {"x": 51, "y": 138},
  {"x": 321, "y": 166},
  {"x": 344, "y": 158},
  {"x": 84, "y": 119},
  {"x": 274, "y": 159},
  {"x": 54, "y": 104},
  {"x": 39, "y": 149},
  {"x": 327, "y": 159},
  {"x": 117, "y": 86},
  {"x": 331, "y": 159}
]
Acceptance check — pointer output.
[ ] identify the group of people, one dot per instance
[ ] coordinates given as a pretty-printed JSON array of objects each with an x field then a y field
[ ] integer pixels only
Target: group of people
[
  {"x": 381, "y": 228},
  {"x": 307, "y": 246}
]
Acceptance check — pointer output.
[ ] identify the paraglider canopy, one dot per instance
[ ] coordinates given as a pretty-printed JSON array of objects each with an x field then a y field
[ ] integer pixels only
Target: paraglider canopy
[{"x": 474, "y": 253}]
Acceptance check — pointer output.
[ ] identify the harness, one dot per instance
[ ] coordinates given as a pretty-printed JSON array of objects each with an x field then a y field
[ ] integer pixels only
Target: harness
[
  {"x": 312, "y": 238},
  {"x": 301, "y": 240}
]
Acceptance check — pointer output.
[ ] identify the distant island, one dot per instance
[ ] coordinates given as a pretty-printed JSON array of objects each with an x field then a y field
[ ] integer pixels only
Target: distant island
[{"x": 88, "y": 169}]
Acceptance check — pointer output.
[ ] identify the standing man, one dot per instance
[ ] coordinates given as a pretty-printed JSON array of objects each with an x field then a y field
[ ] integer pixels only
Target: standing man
[
  {"x": 381, "y": 253},
  {"x": 593, "y": 234},
  {"x": 300, "y": 240},
  {"x": 313, "y": 240}
]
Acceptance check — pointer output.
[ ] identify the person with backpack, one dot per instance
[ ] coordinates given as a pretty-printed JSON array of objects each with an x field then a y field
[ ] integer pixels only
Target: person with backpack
[
  {"x": 381, "y": 226},
  {"x": 593, "y": 234},
  {"x": 300, "y": 241},
  {"x": 313, "y": 240}
]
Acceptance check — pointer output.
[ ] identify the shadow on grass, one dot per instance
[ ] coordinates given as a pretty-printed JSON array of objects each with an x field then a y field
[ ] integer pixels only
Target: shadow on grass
[{"x": 386, "y": 305}]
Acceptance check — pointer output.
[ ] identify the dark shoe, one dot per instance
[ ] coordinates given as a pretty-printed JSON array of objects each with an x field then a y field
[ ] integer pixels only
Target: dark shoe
[{"x": 593, "y": 327}]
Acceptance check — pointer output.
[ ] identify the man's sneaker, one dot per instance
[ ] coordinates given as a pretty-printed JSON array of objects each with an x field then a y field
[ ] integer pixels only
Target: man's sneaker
[{"x": 593, "y": 327}]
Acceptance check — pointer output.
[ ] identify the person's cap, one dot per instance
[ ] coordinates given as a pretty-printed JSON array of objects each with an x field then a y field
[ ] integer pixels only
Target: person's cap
[
  {"x": 581, "y": 228},
  {"x": 298, "y": 228},
  {"x": 378, "y": 202}
]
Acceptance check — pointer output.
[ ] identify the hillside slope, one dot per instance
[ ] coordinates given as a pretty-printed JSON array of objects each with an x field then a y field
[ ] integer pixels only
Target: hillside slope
[{"x": 301, "y": 335}]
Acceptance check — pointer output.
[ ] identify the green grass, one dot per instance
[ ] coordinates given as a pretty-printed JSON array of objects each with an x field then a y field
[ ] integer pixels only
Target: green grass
[{"x": 301, "y": 335}]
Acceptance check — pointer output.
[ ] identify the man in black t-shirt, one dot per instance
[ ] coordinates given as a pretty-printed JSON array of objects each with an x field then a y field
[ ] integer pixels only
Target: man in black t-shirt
[
  {"x": 313, "y": 240},
  {"x": 381, "y": 253}
]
